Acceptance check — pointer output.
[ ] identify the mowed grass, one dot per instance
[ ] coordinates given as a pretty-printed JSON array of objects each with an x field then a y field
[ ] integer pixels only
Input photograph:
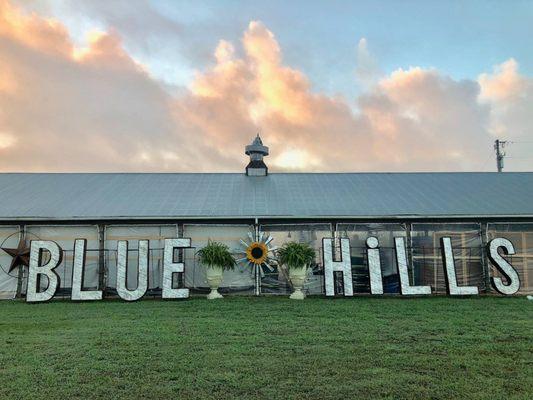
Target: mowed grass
[{"x": 268, "y": 348}]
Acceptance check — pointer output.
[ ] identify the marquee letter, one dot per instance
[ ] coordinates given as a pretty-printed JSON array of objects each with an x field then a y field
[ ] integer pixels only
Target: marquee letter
[
  {"x": 36, "y": 269},
  {"x": 78, "y": 272},
  {"x": 170, "y": 268},
  {"x": 401, "y": 260},
  {"x": 503, "y": 267},
  {"x": 449, "y": 269},
  {"x": 374, "y": 265},
  {"x": 345, "y": 266},
  {"x": 122, "y": 271}
]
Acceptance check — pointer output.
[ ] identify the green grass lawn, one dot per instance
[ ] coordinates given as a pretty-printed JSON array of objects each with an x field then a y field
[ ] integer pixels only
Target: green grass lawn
[{"x": 268, "y": 348}]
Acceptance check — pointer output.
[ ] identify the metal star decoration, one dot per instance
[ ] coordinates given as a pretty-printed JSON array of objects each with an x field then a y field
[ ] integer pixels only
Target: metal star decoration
[{"x": 21, "y": 255}]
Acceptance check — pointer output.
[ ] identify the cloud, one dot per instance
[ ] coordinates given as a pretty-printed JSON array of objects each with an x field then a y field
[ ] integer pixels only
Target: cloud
[
  {"x": 71, "y": 110},
  {"x": 414, "y": 119},
  {"x": 430, "y": 120},
  {"x": 96, "y": 108},
  {"x": 510, "y": 96},
  {"x": 503, "y": 84}
]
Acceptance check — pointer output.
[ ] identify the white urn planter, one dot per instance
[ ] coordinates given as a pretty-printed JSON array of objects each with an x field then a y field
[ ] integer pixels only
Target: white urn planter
[
  {"x": 214, "y": 279},
  {"x": 297, "y": 277}
]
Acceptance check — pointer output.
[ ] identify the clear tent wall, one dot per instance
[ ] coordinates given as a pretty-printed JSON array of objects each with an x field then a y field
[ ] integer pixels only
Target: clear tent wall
[{"x": 422, "y": 239}]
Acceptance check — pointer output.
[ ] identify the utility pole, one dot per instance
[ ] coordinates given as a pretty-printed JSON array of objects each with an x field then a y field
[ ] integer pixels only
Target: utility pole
[{"x": 500, "y": 153}]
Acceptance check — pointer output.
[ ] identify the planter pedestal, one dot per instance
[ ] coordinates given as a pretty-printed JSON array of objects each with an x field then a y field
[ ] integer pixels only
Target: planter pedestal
[
  {"x": 214, "y": 295},
  {"x": 214, "y": 279},
  {"x": 297, "y": 277}
]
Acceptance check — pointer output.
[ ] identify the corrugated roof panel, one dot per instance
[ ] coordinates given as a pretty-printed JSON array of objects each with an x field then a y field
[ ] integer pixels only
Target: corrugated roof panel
[{"x": 130, "y": 196}]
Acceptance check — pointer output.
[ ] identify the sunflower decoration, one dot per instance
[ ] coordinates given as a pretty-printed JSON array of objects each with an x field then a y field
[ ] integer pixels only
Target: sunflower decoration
[{"x": 257, "y": 252}]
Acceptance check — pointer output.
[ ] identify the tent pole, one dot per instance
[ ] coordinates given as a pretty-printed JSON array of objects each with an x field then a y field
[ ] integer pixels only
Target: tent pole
[
  {"x": 257, "y": 267},
  {"x": 181, "y": 254},
  {"x": 20, "y": 277},
  {"x": 101, "y": 259},
  {"x": 484, "y": 264}
]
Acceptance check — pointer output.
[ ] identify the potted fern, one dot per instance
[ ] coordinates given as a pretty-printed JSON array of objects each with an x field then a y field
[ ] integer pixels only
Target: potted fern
[
  {"x": 296, "y": 257},
  {"x": 216, "y": 258}
]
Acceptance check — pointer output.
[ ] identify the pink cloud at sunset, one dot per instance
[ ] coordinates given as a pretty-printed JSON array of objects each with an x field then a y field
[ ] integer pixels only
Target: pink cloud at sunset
[{"x": 97, "y": 108}]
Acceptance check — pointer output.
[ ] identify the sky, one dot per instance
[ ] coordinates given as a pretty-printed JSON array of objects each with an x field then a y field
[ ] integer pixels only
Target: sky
[{"x": 183, "y": 86}]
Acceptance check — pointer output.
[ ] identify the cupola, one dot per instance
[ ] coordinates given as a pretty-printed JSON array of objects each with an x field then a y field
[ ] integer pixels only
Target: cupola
[{"x": 256, "y": 151}]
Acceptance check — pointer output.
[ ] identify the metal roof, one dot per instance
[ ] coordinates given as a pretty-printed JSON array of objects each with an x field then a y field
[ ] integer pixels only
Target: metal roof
[{"x": 100, "y": 196}]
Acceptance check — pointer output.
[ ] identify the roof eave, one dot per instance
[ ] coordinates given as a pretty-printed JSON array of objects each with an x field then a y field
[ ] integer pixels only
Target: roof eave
[{"x": 243, "y": 217}]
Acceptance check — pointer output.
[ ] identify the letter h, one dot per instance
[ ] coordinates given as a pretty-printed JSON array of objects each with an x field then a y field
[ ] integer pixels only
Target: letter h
[{"x": 331, "y": 266}]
